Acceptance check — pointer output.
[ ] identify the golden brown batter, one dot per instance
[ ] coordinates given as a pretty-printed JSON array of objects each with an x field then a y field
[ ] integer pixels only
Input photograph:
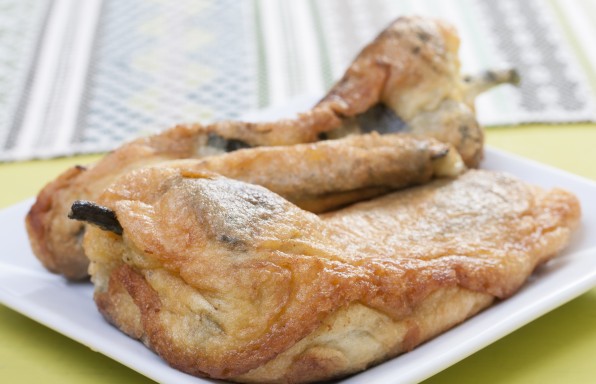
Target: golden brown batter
[
  {"x": 228, "y": 280},
  {"x": 408, "y": 76}
]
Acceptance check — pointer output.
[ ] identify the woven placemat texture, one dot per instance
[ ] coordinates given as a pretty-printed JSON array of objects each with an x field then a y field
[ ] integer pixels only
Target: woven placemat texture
[{"x": 84, "y": 76}]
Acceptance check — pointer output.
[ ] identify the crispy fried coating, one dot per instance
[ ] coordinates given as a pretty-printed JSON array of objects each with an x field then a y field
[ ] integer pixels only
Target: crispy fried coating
[
  {"x": 372, "y": 164},
  {"x": 326, "y": 175},
  {"x": 229, "y": 280},
  {"x": 310, "y": 175},
  {"x": 408, "y": 76}
]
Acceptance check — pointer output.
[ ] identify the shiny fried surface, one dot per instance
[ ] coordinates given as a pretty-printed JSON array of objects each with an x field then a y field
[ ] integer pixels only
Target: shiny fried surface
[
  {"x": 411, "y": 68},
  {"x": 309, "y": 175},
  {"x": 228, "y": 280},
  {"x": 326, "y": 175}
]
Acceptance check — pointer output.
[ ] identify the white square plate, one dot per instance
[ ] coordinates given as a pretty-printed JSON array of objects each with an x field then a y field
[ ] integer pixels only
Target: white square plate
[{"x": 68, "y": 308}]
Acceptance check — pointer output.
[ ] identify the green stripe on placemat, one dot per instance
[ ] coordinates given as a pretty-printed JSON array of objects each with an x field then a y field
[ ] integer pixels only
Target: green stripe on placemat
[
  {"x": 323, "y": 51},
  {"x": 571, "y": 39},
  {"x": 290, "y": 58},
  {"x": 263, "y": 82}
]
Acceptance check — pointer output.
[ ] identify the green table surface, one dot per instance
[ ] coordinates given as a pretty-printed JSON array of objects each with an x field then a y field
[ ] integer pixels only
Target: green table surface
[{"x": 559, "y": 347}]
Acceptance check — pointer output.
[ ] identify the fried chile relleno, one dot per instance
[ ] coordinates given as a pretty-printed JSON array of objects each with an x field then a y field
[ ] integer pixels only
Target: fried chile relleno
[
  {"x": 220, "y": 264},
  {"x": 401, "y": 81},
  {"x": 310, "y": 175},
  {"x": 326, "y": 175},
  {"x": 229, "y": 280}
]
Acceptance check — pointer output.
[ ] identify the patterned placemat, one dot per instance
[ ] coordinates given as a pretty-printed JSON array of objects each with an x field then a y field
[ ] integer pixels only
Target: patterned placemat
[{"x": 84, "y": 76}]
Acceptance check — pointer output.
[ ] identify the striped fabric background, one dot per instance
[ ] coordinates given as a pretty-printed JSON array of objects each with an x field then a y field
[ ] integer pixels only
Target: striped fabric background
[{"x": 84, "y": 76}]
